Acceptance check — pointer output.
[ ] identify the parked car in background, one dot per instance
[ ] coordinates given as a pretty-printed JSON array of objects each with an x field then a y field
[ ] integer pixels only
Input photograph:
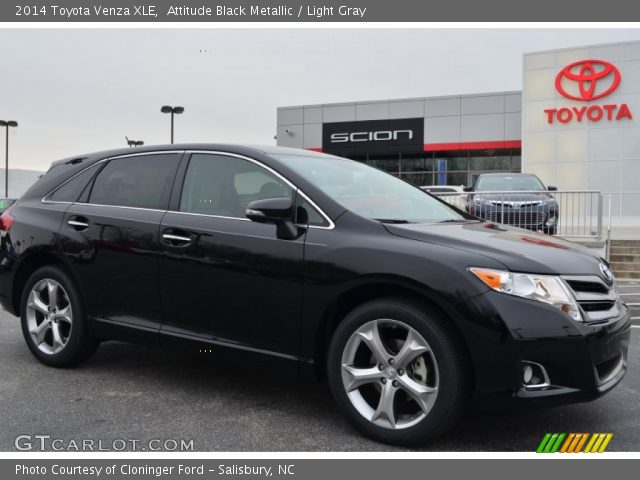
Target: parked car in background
[
  {"x": 403, "y": 303},
  {"x": 518, "y": 199}
]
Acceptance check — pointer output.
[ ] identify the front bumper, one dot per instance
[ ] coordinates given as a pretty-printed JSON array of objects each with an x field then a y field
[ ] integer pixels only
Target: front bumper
[
  {"x": 579, "y": 370},
  {"x": 582, "y": 360}
]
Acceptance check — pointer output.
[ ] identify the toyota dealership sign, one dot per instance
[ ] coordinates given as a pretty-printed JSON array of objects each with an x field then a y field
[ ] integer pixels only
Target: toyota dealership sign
[{"x": 583, "y": 82}]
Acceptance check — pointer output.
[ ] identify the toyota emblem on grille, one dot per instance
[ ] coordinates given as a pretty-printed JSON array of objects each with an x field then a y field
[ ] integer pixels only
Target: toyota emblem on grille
[{"x": 606, "y": 272}]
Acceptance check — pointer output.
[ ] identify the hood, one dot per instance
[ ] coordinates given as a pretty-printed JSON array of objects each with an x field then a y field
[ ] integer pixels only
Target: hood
[{"x": 517, "y": 249}]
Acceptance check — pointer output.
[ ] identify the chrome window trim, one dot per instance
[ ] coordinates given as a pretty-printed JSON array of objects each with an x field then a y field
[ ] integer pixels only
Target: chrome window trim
[
  {"x": 209, "y": 215},
  {"x": 118, "y": 206},
  {"x": 331, "y": 225}
]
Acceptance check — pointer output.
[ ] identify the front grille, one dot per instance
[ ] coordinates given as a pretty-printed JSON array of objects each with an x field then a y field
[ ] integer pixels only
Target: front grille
[
  {"x": 596, "y": 306},
  {"x": 598, "y": 301},
  {"x": 515, "y": 204},
  {"x": 605, "y": 369},
  {"x": 517, "y": 219},
  {"x": 590, "y": 287}
]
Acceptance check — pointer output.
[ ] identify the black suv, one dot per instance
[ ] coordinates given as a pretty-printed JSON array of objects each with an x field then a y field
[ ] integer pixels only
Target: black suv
[
  {"x": 518, "y": 199},
  {"x": 405, "y": 304}
]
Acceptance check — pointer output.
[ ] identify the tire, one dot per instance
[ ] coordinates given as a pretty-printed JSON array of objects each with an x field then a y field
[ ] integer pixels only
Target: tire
[
  {"x": 439, "y": 376},
  {"x": 41, "y": 316},
  {"x": 550, "y": 230}
]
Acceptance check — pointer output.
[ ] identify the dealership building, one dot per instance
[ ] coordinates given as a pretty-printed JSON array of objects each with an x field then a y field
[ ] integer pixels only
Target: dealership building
[{"x": 575, "y": 124}]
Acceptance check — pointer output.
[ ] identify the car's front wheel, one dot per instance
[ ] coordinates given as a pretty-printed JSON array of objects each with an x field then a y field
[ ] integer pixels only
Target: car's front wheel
[
  {"x": 398, "y": 372},
  {"x": 53, "y": 319}
]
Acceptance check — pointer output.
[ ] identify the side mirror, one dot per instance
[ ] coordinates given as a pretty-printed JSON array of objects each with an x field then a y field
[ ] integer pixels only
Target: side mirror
[
  {"x": 467, "y": 188},
  {"x": 277, "y": 211},
  {"x": 551, "y": 188}
]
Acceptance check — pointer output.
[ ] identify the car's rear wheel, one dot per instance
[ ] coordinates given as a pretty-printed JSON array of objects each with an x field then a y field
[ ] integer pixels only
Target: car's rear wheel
[
  {"x": 53, "y": 319},
  {"x": 398, "y": 372}
]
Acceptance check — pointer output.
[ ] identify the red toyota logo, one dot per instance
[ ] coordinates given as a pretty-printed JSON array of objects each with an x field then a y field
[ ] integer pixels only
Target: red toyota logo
[{"x": 588, "y": 80}]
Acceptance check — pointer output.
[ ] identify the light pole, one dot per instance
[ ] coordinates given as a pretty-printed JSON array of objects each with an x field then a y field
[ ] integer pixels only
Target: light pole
[
  {"x": 7, "y": 124},
  {"x": 134, "y": 143},
  {"x": 173, "y": 111}
]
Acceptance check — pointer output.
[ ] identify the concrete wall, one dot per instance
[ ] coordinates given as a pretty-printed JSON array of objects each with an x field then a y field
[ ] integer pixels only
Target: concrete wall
[{"x": 599, "y": 155}]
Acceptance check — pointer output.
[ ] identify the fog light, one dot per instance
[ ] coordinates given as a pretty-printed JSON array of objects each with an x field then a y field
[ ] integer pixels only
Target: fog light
[
  {"x": 550, "y": 221},
  {"x": 534, "y": 376}
]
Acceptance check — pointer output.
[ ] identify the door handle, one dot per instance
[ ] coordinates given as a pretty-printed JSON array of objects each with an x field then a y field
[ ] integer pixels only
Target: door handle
[
  {"x": 78, "y": 223},
  {"x": 176, "y": 240}
]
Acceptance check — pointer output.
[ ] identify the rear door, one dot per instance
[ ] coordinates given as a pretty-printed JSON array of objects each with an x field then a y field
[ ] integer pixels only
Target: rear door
[{"x": 110, "y": 235}]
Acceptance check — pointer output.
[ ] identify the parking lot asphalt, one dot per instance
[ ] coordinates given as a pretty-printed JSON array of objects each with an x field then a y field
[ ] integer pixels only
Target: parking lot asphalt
[{"x": 131, "y": 392}]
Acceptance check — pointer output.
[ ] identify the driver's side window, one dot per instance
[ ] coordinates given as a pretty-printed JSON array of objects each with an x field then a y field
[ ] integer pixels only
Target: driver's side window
[{"x": 224, "y": 186}]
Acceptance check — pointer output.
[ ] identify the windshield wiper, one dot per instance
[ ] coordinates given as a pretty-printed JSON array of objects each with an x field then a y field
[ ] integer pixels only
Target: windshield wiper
[{"x": 390, "y": 220}]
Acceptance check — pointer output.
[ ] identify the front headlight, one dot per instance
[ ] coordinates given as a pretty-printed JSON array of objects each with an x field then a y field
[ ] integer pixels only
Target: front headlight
[{"x": 543, "y": 288}]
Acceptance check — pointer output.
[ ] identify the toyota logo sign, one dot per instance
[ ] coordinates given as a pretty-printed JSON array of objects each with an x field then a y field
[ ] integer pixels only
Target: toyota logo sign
[{"x": 587, "y": 80}]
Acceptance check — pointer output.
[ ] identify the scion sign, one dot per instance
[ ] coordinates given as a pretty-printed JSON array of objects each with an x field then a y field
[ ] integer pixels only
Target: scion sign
[{"x": 379, "y": 135}]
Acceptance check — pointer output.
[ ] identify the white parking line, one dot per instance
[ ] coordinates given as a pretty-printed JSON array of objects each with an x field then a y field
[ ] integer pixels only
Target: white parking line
[
  {"x": 635, "y": 326},
  {"x": 633, "y": 304},
  {"x": 630, "y": 294}
]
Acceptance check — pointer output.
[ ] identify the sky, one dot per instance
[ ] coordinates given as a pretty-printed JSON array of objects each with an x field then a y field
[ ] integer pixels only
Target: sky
[{"x": 76, "y": 91}]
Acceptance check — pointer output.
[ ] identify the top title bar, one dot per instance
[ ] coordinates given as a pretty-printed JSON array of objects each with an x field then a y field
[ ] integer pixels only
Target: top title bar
[{"x": 319, "y": 11}]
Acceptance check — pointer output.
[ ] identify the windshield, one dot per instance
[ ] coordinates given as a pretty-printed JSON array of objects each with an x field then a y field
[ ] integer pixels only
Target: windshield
[
  {"x": 369, "y": 192},
  {"x": 498, "y": 183}
]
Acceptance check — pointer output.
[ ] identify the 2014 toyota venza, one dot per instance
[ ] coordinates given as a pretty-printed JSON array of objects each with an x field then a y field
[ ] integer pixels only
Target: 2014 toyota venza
[{"x": 405, "y": 304}]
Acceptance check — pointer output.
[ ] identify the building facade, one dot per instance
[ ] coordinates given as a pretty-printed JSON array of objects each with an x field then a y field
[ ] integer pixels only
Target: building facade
[
  {"x": 426, "y": 141},
  {"x": 586, "y": 138},
  {"x": 576, "y": 124},
  {"x": 19, "y": 181}
]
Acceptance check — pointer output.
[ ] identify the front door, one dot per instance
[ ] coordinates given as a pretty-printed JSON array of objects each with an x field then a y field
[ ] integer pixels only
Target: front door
[{"x": 222, "y": 276}]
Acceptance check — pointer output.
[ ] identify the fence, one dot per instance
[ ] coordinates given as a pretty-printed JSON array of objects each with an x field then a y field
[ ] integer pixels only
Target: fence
[{"x": 567, "y": 213}]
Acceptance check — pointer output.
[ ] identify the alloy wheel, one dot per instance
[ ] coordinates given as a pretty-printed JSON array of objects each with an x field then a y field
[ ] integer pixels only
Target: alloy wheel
[
  {"x": 390, "y": 374},
  {"x": 49, "y": 316}
]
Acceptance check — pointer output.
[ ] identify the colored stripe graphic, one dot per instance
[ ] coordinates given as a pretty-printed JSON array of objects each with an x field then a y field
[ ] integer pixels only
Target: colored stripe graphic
[
  {"x": 598, "y": 442},
  {"x": 574, "y": 443},
  {"x": 567, "y": 442},
  {"x": 581, "y": 443},
  {"x": 543, "y": 443},
  {"x": 550, "y": 443}
]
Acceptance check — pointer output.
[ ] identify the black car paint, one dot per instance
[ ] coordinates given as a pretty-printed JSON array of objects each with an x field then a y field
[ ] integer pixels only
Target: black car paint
[{"x": 238, "y": 287}]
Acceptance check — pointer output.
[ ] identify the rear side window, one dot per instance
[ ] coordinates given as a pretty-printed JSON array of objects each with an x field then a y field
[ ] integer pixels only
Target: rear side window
[
  {"x": 143, "y": 181},
  {"x": 71, "y": 190}
]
